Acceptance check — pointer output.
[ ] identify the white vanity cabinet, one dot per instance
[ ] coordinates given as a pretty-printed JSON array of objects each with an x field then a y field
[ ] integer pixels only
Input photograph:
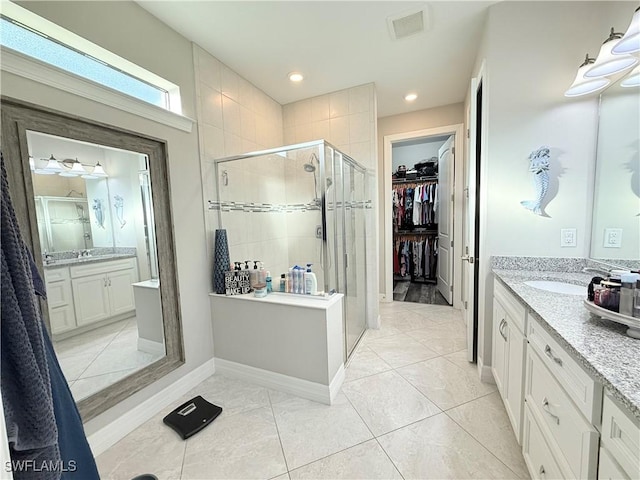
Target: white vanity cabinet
[
  {"x": 62, "y": 317},
  {"x": 509, "y": 345},
  {"x": 103, "y": 289},
  {"x": 620, "y": 445},
  {"x": 564, "y": 402}
]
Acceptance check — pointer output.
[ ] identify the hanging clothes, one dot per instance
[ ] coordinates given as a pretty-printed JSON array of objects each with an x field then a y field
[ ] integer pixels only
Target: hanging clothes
[
  {"x": 415, "y": 206},
  {"x": 416, "y": 258}
]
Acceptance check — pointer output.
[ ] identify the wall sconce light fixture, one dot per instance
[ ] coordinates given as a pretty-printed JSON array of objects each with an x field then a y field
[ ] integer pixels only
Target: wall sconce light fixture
[
  {"x": 630, "y": 42},
  {"x": 608, "y": 63},
  {"x": 584, "y": 86}
]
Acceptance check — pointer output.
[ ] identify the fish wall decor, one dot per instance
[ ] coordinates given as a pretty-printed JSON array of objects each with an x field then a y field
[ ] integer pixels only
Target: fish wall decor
[{"x": 539, "y": 166}]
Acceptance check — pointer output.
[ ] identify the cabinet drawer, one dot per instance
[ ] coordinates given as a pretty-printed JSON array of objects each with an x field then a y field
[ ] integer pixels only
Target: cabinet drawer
[
  {"x": 62, "y": 319},
  {"x": 621, "y": 436},
  {"x": 513, "y": 308},
  {"x": 560, "y": 420},
  {"x": 59, "y": 294},
  {"x": 101, "y": 267},
  {"x": 536, "y": 452},
  {"x": 56, "y": 274},
  {"x": 608, "y": 469},
  {"x": 581, "y": 387}
]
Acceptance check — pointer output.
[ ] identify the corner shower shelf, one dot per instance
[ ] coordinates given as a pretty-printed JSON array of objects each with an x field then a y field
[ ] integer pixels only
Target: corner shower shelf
[{"x": 632, "y": 322}]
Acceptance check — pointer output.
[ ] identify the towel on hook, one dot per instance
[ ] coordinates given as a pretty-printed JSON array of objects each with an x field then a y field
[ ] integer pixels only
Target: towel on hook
[{"x": 26, "y": 386}]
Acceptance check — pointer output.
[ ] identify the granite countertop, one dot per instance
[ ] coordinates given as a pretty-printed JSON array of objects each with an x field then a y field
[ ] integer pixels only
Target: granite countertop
[
  {"x": 92, "y": 259},
  {"x": 601, "y": 346}
]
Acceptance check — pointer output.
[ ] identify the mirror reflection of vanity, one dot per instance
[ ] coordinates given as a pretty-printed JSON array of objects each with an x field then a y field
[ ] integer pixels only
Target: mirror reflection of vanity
[
  {"x": 615, "y": 235},
  {"x": 102, "y": 240},
  {"x": 99, "y": 258}
]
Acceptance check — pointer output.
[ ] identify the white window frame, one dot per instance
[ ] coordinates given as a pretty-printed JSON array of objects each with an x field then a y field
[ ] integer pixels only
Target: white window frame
[{"x": 42, "y": 72}]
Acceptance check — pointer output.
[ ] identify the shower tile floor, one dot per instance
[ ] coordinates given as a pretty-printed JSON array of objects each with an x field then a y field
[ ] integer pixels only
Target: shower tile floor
[
  {"x": 411, "y": 407},
  {"x": 97, "y": 358}
]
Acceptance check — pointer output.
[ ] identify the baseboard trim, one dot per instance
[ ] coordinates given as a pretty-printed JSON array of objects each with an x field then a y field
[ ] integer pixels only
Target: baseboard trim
[
  {"x": 115, "y": 431},
  {"x": 486, "y": 376},
  {"x": 283, "y": 383},
  {"x": 149, "y": 346}
]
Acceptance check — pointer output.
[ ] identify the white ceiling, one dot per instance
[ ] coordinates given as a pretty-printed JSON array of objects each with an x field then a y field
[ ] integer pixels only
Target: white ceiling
[{"x": 337, "y": 45}]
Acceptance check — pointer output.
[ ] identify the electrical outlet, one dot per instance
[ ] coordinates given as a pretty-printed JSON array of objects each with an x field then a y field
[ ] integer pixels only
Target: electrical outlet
[
  {"x": 568, "y": 237},
  {"x": 612, "y": 237}
]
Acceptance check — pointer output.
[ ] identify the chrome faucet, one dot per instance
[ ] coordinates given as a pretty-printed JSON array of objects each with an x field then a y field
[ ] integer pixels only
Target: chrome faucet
[{"x": 48, "y": 258}]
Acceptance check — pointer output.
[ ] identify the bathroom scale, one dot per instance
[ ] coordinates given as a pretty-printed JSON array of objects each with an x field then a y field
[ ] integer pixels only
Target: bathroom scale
[{"x": 192, "y": 416}]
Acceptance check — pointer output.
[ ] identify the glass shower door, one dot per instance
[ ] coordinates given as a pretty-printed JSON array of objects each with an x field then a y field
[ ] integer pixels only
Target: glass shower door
[{"x": 352, "y": 274}]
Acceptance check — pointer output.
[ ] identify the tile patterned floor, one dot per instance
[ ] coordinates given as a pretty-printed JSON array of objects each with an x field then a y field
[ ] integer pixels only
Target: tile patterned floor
[
  {"x": 97, "y": 358},
  {"x": 411, "y": 407}
]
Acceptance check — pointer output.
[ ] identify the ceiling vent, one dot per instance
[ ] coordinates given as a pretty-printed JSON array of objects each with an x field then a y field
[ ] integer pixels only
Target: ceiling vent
[{"x": 407, "y": 23}]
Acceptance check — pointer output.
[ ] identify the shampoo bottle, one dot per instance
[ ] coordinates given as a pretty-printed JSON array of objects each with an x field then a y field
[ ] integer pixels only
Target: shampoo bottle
[
  {"x": 290, "y": 281},
  {"x": 300, "y": 276},
  {"x": 283, "y": 282},
  {"x": 310, "y": 282},
  {"x": 268, "y": 282}
]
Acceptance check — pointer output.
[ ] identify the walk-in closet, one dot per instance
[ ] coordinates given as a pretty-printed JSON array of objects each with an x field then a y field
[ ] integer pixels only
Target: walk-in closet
[{"x": 419, "y": 205}]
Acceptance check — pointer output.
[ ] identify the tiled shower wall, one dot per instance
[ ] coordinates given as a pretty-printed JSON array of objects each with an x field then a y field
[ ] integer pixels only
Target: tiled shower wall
[
  {"x": 346, "y": 119},
  {"x": 236, "y": 117}
]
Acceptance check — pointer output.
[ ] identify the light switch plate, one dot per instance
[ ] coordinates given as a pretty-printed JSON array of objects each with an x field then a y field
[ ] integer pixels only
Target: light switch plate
[
  {"x": 612, "y": 237},
  {"x": 568, "y": 237}
]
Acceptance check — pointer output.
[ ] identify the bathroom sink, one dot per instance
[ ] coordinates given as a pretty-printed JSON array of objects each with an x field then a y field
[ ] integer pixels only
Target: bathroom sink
[{"x": 557, "y": 287}]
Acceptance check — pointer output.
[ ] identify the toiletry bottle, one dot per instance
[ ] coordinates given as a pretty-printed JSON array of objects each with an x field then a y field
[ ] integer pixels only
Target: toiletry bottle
[
  {"x": 283, "y": 282},
  {"x": 290, "y": 280},
  {"x": 636, "y": 300},
  {"x": 253, "y": 275},
  {"x": 626, "y": 293},
  {"x": 300, "y": 275},
  {"x": 310, "y": 282},
  {"x": 262, "y": 273},
  {"x": 268, "y": 282}
]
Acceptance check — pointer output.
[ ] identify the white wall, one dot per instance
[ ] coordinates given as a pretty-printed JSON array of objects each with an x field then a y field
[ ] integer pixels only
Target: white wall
[
  {"x": 532, "y": 51},
  {"x": 129, "y": 31},
  {"x": 412, "y": 153}
]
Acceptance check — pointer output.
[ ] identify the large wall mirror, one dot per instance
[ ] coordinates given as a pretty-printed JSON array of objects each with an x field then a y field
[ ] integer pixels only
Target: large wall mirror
[
  {"x": 93, "y": 206},
  {"x": 615, "y": 235}
]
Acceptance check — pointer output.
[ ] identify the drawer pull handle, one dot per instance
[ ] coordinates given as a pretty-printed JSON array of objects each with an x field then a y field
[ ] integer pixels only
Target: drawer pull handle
[
  {"x": 548, "y": 353},
  {"x": 503, "y": 323},
  {"x": 105, "y": 281},
  {"x": 542, "y": 472},
  {"x": 545, "y": 405}
]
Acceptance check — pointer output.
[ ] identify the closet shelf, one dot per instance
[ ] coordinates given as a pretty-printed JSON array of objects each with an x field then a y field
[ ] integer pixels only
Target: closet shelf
[
  {"x": 415, "y": 180},
  {"x": 433, "y": 231}
]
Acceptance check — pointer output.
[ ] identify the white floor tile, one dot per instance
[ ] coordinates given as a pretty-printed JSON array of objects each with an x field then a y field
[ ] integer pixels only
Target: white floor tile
[
  {"x": 244, "y": 445},
  {"x": 310, "y": 430},
  {"x": 151, "y": 448},
  {"x": 386, "y": 402},
  {"x": 487, "y": 421},
  {"x": 366, "y": 460},
  {"x": 442, "y": 338},
  {"x": 363, "y": 363},
  {"x": 444, "y": 383},
  {"x": 440, "y": 449},
  {"x": 400, "y": 350}
]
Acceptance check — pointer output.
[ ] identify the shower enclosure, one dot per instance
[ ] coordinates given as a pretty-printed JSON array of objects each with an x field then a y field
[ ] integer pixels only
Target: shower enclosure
[{"x": 296, "y": 205}]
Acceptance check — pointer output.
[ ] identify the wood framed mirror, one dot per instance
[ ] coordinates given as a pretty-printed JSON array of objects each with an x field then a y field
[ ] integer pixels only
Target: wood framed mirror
[{"x": 102, "y": 240}]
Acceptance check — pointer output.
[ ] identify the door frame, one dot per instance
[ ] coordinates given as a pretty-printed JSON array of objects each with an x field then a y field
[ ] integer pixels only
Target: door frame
[{"x": 387, "y": 237}]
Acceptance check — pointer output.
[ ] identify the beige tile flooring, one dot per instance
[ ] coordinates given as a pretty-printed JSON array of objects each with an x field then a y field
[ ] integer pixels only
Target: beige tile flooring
[
  {"x": 95, "y": 359},
  {"x": 411, "y": 407}
]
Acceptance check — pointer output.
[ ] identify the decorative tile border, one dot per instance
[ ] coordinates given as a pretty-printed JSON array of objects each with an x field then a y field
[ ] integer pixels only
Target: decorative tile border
[{"x": 225, "y": 206}]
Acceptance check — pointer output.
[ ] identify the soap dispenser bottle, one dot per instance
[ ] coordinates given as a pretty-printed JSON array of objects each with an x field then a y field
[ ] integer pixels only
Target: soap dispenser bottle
[
  {"x": 253, "y": 275},
  {"x": 310, "y": 282}
]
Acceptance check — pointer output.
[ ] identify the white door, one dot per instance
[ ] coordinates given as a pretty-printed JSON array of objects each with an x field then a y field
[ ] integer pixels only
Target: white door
[{"x": 445, "y": 219}]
